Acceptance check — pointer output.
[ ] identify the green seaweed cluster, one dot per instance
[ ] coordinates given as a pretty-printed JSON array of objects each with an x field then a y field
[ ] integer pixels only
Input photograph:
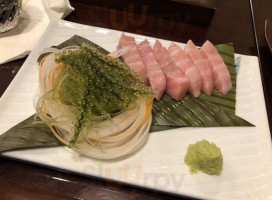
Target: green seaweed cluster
[{"x": 107, "y": 83}]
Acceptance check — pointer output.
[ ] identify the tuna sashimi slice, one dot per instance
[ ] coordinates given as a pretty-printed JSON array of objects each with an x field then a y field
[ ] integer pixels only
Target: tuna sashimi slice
[
  {"x": 177, "y": 83},
  {"x": 157, "y": 82},
  {"x": 155, "y": 75},
  {"x": 203, "y": 65},
  {"x": 221, "y": 75},
  {"x": 161, "y": 54},
  {"x": 188, "y": 67},
  {"x": 148, "y": 56},
  {"x": 132, "y": 56}
]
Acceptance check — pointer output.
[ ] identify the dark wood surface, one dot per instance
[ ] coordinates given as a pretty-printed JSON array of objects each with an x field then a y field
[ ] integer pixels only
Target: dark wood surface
[
  {"x": 232, "y": 22},
  {"x": 182, "y": 10}
]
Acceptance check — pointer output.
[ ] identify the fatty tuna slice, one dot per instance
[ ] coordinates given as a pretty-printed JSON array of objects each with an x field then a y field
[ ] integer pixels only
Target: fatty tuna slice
[
  {"x": 132, "y": 56},
  {"x": 161, "y": 55},
  {"x": 188, "y": 67},
  {"x": 203, "y": 66},
  {"x": 177, "y": 83},
  {"x": 221, "y": 75},
  {"x": 155, "y": 75}
]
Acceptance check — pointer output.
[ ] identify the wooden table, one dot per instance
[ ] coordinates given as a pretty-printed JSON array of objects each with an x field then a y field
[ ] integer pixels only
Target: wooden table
[{"x": 232, "y": 22}]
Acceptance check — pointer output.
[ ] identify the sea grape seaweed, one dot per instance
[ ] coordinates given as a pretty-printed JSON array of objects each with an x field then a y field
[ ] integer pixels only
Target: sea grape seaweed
[{"x": 97, "y": 85}]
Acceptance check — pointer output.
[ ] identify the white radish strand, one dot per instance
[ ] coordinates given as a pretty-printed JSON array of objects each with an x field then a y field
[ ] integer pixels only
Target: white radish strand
[{"x": 119, "y": 52}]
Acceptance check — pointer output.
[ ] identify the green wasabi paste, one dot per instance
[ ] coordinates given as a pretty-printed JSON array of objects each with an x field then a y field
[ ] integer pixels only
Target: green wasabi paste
[{"x": 204, "y": 156}]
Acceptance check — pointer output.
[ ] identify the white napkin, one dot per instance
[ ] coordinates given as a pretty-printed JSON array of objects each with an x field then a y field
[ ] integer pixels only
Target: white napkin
[{"x": 34, "y": 19}]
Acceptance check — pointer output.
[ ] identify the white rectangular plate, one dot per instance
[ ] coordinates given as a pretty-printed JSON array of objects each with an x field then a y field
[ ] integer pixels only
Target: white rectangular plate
[{"x": 159, "y": 165}]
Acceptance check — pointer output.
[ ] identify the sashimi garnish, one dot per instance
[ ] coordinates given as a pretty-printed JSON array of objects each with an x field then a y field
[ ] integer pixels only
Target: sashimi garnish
[{"x": 119, "y": 52}]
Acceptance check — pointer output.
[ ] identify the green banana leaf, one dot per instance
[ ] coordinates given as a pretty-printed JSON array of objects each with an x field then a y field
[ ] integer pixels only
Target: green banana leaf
[
  {"x": 215, "y": 110},
  {"x": 194, "y": 112},
  {"x": 28, "y": 134}
]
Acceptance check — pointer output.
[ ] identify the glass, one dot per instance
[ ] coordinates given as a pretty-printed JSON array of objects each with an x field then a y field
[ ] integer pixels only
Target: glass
[{"x": 9, "y": 14}]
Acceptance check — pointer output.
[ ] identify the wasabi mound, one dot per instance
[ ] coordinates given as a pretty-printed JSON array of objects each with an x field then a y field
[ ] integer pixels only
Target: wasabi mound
[{"x": 204, "y": 156}]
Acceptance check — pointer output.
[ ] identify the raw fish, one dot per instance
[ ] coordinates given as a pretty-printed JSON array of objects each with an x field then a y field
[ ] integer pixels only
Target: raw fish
[
  {"x": 188, "y": 67},
  {"x": 221, "y": 75},
  {"x": 161, "y": 54},
  {"x": 203, "y": 66},
  {"x": 132, "y": 57},
  {"x": 155, "y": 75},
  {"x": 177, "y": 83}
]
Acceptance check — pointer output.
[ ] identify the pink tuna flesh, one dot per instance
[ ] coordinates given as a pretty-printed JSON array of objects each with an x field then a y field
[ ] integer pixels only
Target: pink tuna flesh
[
  {"x": 188, "y": 67},
  {"x": 203, "y": 66},
  {"x": 221, "y": 75},
  {"x": 157, "y": 82},
  {"x": 155, "y": 75},
  {"x": 177, "y": 83},
  {"x": 161, "y": 55},
  {"x": 132, "y": 57}
]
